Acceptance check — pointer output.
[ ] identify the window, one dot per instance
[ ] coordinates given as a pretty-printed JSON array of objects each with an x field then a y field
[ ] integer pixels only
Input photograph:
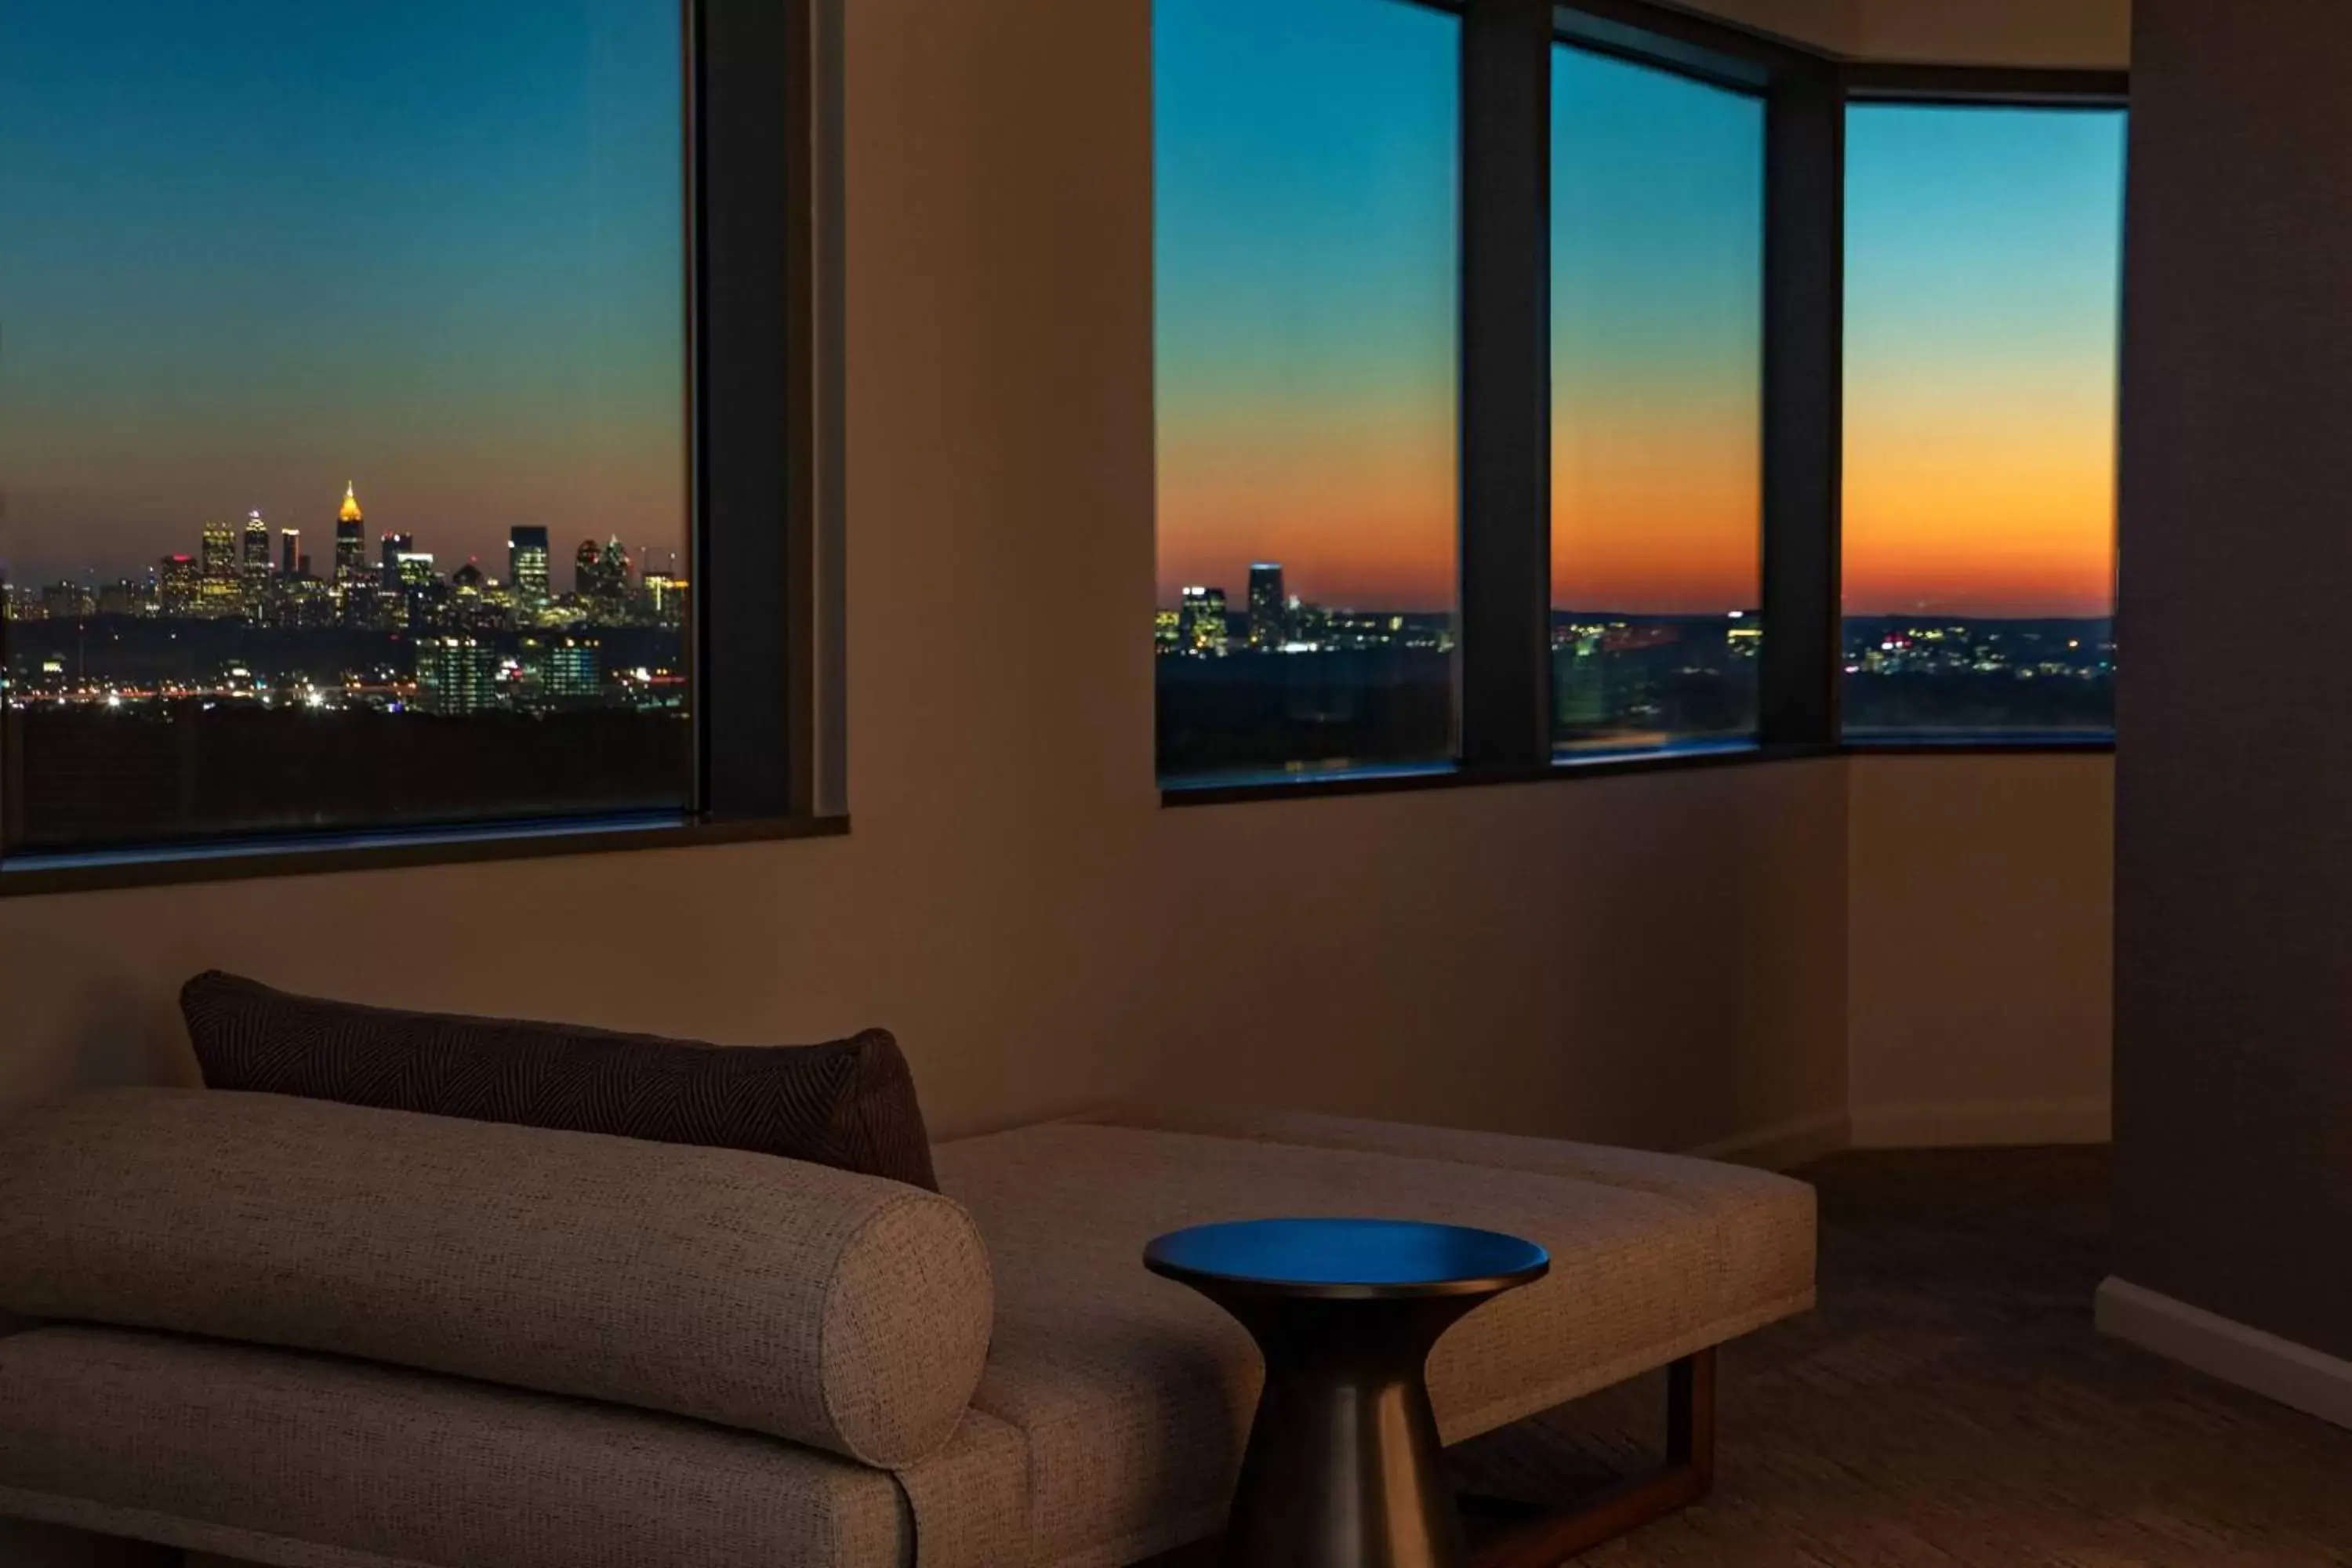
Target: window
[
  {"x": 364, "y": 470},
  {"x": 1657, "y": 408},
  {"x": 1309, "y": 296},
  {"x": 1983, "y": 274}
]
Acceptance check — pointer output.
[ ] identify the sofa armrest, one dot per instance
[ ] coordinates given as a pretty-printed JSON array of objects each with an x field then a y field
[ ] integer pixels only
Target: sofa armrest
[{"x": 841, "y": 1311}]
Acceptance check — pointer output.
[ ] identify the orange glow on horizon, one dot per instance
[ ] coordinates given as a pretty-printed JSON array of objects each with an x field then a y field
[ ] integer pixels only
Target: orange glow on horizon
[{"x": 1959, "y": 499}]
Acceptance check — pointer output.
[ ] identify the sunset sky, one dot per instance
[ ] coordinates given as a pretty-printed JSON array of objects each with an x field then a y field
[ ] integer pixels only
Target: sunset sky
[
  {"x": 1308, "y": 295},
  {"x": 1983, "y": 272},
  {"x": 1657, "y": 341},
  {"x": 249, "y": 251},
  {"x": 1307, "y": 277}
]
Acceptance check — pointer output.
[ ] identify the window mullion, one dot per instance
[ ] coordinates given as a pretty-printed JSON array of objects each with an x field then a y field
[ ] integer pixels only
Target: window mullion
[
  {"x": 1805, "y": 283},
  {"x": 1506, "y": 447}
]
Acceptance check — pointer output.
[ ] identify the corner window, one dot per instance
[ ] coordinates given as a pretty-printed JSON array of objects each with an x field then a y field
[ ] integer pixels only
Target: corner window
[
  {"x": 1657, "y": 315},
  {"x": 1308, "y": 300},
  {"x": 1984, "y": 262}
]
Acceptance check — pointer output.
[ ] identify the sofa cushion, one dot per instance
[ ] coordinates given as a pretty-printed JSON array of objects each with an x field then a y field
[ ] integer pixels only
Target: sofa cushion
[
  {"x": 844, "y": 1311},
  {"x": 245, "y": 1451},
  {"x": 1135, "y": 1394},
  {"x": 849, "y": 1104}
]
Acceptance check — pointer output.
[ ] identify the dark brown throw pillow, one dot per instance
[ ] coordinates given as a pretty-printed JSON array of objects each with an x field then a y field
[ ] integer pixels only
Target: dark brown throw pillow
[{"x": 849, "y": 1104}]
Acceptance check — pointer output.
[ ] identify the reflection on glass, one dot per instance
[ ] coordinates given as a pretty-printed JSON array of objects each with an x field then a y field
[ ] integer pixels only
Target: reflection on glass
[
  {"x": 1309, "y": 294},
  {"x": 1657, "y": 407},
  {"x": 342, "y": 415},
  {"x": 1982, "y": 274}
]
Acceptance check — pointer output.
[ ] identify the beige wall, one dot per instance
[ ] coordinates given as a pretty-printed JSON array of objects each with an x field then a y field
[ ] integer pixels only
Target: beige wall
[
  {"x": 1980, "y": 952},
  {"x": 2094, "y": 33},
  {"x": 2086, "y": 33},
  {"x": 1653, "y": 960}
]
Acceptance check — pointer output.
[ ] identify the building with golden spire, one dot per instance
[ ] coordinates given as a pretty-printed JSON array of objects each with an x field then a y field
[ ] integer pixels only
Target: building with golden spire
[{"x": 350, "y": 539}]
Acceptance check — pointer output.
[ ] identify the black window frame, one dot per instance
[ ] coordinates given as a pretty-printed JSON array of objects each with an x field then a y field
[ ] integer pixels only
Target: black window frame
[
  {"x": 760, "y": 297},
  {"x": 1504, "y": 665}
]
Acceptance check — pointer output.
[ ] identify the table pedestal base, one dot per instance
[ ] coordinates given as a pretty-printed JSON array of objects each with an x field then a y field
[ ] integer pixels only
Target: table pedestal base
[{"x": 1343, "y": 1467}]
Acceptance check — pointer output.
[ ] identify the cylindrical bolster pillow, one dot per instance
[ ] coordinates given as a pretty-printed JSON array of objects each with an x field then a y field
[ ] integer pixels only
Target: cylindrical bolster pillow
[{"x": 843, "y": 1311}]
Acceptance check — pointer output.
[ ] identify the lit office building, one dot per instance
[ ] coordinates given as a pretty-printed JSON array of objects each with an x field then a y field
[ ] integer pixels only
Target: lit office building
[
  {"x": 254, "y": 564},
  {"x": 527, "y": 562},
  {"x": 1269, "y": 620},
  {"x": 665, "y": 599},
  {"x": 455, "y": 676},
  {"x": 219, "y": 593},
  {"x": 179, "y": 585},
  {"x": 566, "y": 672},
  {"x": 1204, "y": 629}
]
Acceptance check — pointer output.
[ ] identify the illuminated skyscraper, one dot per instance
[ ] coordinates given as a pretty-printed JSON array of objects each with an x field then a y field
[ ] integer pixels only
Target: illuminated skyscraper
[
  {"x": 587, "y": 568},
  {"x": 219, "y": 593},
  {"x": 290, "y": 545},
  {"x": 254, "y": 565},
  {"x": 178, "y": 585},
  {"x": 1204, "y": 629},
  {"x": 1268, "y": 615},
  {"x": 350, "y": 539},
  {"x": 391, "y": 548},
  {"x": 527, "y": 568},
  {"x": 664, "y": 598}
]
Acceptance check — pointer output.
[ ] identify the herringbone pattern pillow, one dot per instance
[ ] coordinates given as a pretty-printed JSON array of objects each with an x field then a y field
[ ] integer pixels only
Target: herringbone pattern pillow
[{"x": 849, "y": 1104}]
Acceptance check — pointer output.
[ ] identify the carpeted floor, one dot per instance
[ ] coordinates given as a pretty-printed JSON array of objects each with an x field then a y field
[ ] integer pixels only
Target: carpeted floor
[{"x": 1950, "y": 1403}]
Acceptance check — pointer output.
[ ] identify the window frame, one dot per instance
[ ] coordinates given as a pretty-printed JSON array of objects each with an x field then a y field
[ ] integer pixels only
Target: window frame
[
  {"x": 1961, "y": 87},
  {"x": 760, "y": 298},
  {"x": 1504, "y": 668}
]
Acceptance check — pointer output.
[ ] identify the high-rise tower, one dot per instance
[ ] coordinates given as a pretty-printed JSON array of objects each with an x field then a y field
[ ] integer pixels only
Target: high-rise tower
[
  {"x": 527, "y": 568},
  {"x": 350, "y": 539},
  {"x": 1269, "y": 614}
]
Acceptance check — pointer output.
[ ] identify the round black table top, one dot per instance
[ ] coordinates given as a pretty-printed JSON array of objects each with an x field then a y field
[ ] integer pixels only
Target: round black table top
[{"x": 1352, "y": 1259}]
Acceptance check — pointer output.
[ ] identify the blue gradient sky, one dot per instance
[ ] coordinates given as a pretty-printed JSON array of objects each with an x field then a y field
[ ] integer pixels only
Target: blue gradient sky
[
  {"x": 1984, "y": 254},
  {"x": 1658, "y": 340},
  {"x": 252, "y": 249},
  {"x": 1308, "y": 295}
]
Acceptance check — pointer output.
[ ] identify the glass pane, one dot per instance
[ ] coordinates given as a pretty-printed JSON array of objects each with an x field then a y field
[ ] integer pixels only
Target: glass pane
[
  {"x": 1308, "y": 294},
  {"x": 342, "y": 414},
  {"x": 1657, "y": 408},
  {"x": 1983, "y": 266}
]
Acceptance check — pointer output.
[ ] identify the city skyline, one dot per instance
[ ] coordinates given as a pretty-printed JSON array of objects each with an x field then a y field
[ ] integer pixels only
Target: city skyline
[{"x": 246, "y": 254}]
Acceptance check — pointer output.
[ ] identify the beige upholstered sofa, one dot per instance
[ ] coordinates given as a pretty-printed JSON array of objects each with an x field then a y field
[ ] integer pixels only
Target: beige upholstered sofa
[{"x": 301, "y": 1333}]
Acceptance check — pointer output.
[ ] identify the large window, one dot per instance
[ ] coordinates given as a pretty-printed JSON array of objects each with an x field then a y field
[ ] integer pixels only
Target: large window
[
  {"x": 1983, "y": 258},
  {"x": 1657, "y": 407},
  {"x": 1308, "y": 266},
  {"x": 343, "y": 415},
  {"x": 367, "y": 440}
]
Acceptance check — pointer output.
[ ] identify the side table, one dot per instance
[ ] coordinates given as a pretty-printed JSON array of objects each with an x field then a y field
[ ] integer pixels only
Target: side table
[{"x": 1342, "y": 1465}]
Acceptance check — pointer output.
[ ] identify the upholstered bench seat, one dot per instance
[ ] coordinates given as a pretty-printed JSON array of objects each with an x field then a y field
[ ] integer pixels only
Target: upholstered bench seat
[{"x": 1134, "y": 1394}]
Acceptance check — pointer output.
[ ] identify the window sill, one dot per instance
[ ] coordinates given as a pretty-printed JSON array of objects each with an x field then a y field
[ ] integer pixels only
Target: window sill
[
  {"x": 1318, "y": 786},
  {"x": 27, "y": 875},
  {"x": 1238, "y": 789},
  {"x": 1999, "y": 744}
]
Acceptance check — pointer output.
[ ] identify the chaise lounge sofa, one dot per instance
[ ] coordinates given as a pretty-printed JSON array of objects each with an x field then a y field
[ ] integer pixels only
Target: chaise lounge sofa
[{"x": 320, "y": 1335}]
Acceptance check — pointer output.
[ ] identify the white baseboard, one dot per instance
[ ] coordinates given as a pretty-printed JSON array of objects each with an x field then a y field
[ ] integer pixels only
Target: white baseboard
[
  {"x": 2309, "y": 1379},
  {"x": 1784, "y": 1145},
  {"x": 2007, "y": 1125}
]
